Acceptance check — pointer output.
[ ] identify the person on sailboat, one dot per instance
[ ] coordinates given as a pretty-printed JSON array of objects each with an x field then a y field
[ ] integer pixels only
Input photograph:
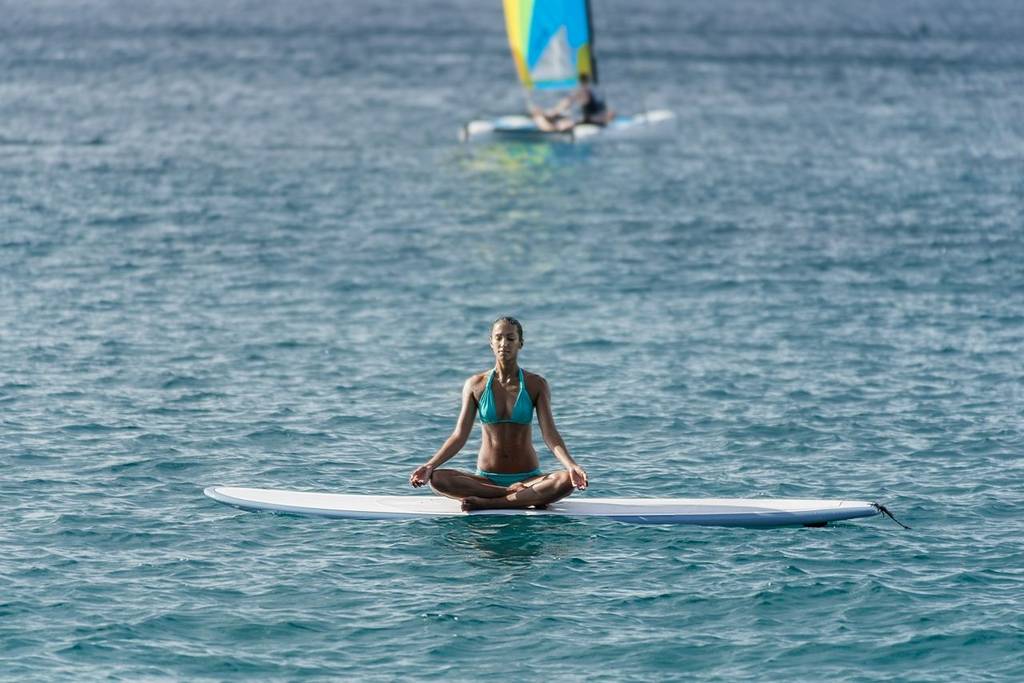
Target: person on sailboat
[
  {"x": 508, "y": 474},
  {"x": 593, "y": 110}
]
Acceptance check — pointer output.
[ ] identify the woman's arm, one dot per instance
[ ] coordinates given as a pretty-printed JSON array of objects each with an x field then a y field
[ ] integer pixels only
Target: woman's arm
[
  {"x": 553, "y": 439},
  {"x": 454, "y": 443},
  {"x": 564, "y": 105}
]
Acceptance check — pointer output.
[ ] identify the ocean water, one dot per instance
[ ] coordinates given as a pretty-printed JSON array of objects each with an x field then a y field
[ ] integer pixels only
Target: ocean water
[{"x": 241, "y": 244}]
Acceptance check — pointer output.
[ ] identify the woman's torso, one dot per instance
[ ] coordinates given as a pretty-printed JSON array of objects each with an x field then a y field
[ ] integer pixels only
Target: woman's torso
[
  {"x": 590, "y": 104},
  {"x": 506, "y": 446}
]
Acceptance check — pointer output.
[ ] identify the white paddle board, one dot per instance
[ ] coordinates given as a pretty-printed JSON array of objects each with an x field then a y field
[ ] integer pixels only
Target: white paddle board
[{"x": 746, "y": 512}]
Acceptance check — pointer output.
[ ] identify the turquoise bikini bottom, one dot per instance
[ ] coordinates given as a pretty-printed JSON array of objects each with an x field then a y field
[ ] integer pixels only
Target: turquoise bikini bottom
[{"x": 503, "y": 479}]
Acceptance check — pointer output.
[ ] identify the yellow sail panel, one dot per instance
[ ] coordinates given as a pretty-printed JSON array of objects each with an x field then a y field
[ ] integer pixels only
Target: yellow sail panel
[
  {"x": 517, "y": 16},
  {"x": 583, "y": 65}
]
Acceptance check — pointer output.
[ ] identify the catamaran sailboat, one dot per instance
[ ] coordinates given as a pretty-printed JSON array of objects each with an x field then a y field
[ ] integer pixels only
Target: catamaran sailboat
[{"x": 552, "y": 47}]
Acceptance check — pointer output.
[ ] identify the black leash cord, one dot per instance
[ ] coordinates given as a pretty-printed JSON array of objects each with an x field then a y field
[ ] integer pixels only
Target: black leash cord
[{"x": 885, "y": 511}]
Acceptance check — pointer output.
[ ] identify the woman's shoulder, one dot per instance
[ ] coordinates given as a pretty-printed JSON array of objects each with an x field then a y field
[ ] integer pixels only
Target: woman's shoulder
[
  {"x": 534, "y": 381},
  {"x": 476, "y": 382}
]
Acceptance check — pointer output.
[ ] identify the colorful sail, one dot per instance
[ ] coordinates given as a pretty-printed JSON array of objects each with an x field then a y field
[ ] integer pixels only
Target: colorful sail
[{"x": 551, "y": 41}]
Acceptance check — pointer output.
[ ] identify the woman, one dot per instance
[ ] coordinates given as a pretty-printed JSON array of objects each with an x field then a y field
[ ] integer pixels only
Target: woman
[{"x": 508, "y": 473}]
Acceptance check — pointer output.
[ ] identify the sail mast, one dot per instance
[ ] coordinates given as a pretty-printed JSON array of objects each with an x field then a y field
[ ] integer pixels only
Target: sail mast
[{"x": 590, "y": 33}]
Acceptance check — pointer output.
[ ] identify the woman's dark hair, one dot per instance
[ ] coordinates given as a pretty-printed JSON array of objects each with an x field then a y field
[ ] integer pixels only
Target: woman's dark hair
[{"x": 511, "y": 321}]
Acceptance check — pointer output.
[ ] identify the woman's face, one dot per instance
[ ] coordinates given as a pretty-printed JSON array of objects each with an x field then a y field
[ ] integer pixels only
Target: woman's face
[{"x": 505, "y": 341}]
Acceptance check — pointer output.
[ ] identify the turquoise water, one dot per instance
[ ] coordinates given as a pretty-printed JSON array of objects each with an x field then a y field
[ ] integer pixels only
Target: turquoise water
[{"x": 240, "y": 244}]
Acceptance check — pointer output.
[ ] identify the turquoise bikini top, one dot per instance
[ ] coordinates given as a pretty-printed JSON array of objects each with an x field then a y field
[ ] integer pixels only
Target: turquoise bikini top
[{"x": 522, "y": 411}]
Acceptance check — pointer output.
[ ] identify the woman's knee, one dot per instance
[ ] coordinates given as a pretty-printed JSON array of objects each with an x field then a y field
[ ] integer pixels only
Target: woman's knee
[
  {"x": 564, "y": 481},
  {"x": 440, "y": 479}
]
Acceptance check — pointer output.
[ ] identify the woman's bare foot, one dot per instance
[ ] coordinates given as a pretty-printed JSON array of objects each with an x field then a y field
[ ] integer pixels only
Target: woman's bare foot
[{"x": 477, "y": 503}]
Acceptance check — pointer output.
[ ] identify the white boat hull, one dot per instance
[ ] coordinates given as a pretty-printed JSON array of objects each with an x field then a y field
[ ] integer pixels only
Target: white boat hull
[{"x": 517, "y": 126}]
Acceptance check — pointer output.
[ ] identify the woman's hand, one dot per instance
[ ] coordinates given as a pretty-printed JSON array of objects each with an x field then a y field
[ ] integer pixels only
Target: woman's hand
[
  {"x": 578, "y": 477},
  {"x": 421, "y": 475}
]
